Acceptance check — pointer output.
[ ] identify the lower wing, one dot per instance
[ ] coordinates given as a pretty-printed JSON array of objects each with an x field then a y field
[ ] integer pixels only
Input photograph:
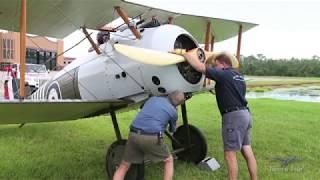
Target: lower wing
[{"x": 27, "y": 111}]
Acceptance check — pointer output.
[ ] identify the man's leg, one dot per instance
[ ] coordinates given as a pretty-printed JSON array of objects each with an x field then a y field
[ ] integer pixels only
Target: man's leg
[
  {"x": 231, "y": 160},
  {"x": 121, "y": 171},
  {"x": 168, "y": 168},
  {"x": 251, "y": 161}
]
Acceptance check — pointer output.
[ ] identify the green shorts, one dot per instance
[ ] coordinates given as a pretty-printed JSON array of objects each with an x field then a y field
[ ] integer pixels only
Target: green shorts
[{"x": 145, "y": 147}]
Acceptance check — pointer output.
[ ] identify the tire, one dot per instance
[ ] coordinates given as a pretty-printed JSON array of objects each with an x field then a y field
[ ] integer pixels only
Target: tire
[
  {"x": 198, "y": 150},
  {"x": 114, "y": 157}
]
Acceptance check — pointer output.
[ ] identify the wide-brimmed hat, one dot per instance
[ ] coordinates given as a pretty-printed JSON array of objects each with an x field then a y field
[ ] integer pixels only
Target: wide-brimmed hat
[{"x": 213, "y": 55}]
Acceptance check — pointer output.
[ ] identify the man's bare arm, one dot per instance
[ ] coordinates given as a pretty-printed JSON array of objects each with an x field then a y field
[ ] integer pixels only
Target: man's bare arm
[{"x": 194, "y": 61}]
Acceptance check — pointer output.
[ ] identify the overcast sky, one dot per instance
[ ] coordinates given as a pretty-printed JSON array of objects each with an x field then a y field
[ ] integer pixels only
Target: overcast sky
[{"x": 286, "y": 28}]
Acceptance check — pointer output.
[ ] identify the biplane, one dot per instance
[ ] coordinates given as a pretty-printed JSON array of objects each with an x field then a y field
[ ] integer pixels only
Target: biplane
[{"x": 119, "y": 74}]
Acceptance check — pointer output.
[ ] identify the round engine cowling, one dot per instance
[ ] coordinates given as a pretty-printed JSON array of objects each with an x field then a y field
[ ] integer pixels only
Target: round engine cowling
[{"x": 181, "y": 76}]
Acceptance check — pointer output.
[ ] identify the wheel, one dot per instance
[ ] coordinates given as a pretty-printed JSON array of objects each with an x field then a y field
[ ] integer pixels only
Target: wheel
[
  {"x": 198, "y": 150},
  {"x": 114, "y": 157}
]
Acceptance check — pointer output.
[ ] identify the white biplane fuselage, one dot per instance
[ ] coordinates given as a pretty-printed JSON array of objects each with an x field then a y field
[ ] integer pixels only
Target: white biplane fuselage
[{"x": 111, "y": 75}]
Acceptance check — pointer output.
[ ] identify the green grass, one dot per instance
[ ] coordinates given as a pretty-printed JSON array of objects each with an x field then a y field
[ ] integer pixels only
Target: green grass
[{"x": 76, "y": 150}]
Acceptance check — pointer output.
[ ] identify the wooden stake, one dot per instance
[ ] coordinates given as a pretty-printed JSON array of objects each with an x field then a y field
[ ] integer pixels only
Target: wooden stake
[
  {"x": 23, "y": 23},
  {"x": 125, "y": 18}
]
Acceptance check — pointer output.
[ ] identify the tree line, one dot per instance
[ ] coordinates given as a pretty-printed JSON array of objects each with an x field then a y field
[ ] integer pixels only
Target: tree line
[{"x": 260, "y": 65}]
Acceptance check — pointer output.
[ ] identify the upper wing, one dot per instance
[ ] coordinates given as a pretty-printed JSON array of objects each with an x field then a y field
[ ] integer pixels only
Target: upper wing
[
  {"x": 16, "y": 112},
  {"x": 58, "y": 18},
  {"x": 222, "y": 29}
]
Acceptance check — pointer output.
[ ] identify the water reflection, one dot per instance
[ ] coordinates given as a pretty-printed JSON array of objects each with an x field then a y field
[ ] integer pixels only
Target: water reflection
[{"x": 307, "y": 94}]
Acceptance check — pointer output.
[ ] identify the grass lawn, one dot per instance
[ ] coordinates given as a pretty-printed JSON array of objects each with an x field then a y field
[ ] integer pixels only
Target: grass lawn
[{"x": 76, "y": 150}]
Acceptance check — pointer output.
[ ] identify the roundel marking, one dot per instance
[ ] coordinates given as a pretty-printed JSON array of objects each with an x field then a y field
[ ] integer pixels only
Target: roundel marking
[{"x": 54, "y": 92}]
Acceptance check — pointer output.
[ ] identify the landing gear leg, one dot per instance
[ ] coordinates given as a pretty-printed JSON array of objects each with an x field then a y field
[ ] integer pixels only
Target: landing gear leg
[
  {"x": 115, "y": 125},
  {"x": 115, "y": 154},
  {"x": 188, "y": 142}
]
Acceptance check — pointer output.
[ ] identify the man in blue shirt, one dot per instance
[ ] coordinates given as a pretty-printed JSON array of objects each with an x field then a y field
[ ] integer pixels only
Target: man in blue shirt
[
  {"x": 146, "y": 134},
  {"x": 230, "y": 91}
]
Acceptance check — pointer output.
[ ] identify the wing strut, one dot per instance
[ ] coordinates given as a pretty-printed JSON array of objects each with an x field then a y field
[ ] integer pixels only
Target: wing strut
[
  {"x": 209, "y": 38},
  {"x": 23, "y": 23},
  {"x": 212, "y": 42},
  {"x": 94, "y": 45},
  {"x": 239, "y": 44},
  {"x": 125, "y": 18},
  {"x": 170, "y": 20}
]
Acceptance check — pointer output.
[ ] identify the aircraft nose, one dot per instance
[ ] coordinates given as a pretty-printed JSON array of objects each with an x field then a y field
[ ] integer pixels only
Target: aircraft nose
[{"x": 188, "y": 73}]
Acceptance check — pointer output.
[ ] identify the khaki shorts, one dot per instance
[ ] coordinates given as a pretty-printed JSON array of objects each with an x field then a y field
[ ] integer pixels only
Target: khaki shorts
[
  {"x": 141, "y": 147},
  {"x": 236, "y": 127}
]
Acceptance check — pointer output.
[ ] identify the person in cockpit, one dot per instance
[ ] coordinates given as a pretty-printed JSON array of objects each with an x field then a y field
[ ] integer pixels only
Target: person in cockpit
[{"x": 102, "y": 37}]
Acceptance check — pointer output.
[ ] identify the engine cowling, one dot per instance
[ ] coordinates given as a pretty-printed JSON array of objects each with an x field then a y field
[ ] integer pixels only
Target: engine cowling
[{"x": 181, "y": 76}]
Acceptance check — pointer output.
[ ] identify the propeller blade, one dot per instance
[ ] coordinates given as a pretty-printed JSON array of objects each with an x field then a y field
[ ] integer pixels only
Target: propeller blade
[
  {"x": 160, "y": 58},
  {"x": 148, "y": 56}
]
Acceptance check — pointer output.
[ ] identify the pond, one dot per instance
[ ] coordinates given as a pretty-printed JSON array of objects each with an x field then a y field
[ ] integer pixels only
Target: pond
[{"x": 307, "y": 94}]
